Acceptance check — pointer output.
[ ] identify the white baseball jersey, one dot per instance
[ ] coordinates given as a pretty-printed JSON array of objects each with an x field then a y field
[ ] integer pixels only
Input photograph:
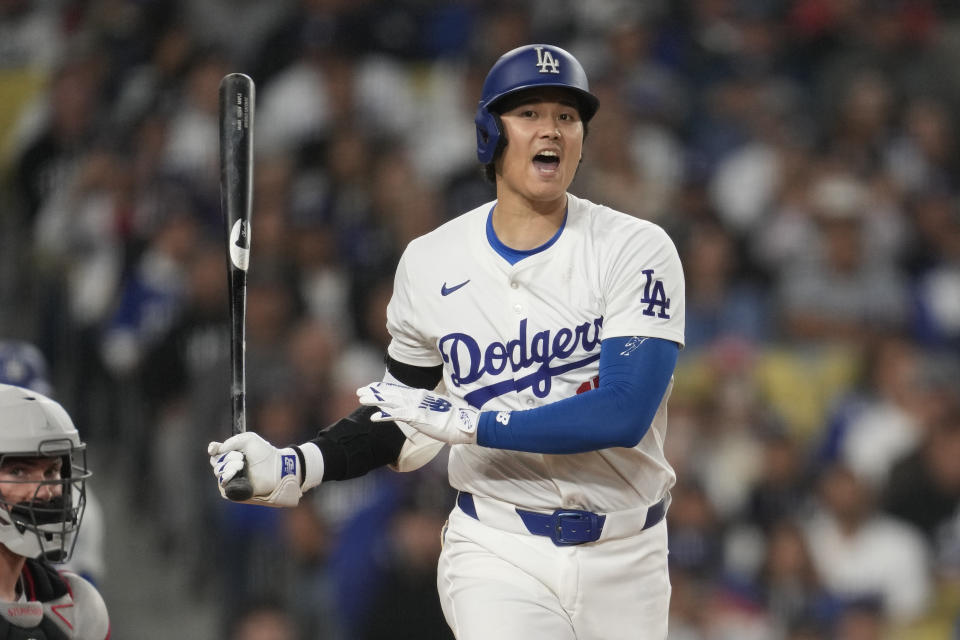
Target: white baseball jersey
[{"x": 514, "y": 337}]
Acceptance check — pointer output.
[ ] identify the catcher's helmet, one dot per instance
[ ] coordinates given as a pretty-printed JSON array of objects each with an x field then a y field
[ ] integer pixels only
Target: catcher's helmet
[
  {"x": 533, "y": 65},
  {"x": 34, "y": 426}
]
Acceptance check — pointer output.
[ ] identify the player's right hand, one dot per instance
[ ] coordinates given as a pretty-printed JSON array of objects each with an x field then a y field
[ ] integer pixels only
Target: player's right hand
[
  {"x": 274, "y": 473},
  {"x": 430, "y": 413}
]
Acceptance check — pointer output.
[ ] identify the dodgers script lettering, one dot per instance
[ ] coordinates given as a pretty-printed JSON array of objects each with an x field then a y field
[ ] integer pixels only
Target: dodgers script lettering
[{"x": 470, "y": 362}]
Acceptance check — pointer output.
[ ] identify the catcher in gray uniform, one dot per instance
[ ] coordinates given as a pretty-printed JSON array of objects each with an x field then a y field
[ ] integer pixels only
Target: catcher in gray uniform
[{"x": 42, "y": 497}]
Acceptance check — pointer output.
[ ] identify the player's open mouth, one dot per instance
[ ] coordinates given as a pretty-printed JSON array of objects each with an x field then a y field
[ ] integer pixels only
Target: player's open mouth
[{"x": 546, "y": 161}]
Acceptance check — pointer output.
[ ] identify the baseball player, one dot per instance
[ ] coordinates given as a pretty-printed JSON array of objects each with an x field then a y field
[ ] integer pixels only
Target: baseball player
[
  {"x": 22, "y": 364},
  {"x": 42, "y": 497},
  {"x": 537, "y": 336}
]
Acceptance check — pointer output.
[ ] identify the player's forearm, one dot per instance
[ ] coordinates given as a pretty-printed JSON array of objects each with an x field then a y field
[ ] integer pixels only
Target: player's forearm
[
  {"x": 278, "y": 476},
  {"x": 354, "y": 445},
  {"x": 616, "y": 414}
]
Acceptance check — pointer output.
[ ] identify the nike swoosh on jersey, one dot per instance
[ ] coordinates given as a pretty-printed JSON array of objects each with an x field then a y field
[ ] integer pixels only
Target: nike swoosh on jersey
[{"x": 445, "y": 290}]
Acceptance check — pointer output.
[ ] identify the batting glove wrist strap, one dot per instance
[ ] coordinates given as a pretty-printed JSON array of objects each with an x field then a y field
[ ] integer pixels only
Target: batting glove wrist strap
[
  {"x": 312, "y": 466},
  {"x": 433, "y": 414}
]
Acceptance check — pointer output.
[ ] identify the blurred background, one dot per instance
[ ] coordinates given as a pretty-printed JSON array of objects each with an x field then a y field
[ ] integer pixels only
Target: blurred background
[{"x": 803, "y": 155}]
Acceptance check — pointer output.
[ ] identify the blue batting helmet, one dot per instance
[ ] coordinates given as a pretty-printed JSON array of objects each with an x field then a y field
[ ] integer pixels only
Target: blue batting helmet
[
  {"x": 22, "y": 364},
  {"x": 534, "y": 65}
]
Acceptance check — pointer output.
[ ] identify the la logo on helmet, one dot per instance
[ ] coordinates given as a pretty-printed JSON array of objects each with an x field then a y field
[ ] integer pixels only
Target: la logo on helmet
[{"x": 546, "y": 62}]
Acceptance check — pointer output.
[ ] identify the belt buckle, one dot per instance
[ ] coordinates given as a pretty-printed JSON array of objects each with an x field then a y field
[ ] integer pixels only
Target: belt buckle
[{"x": 573, "y": 526}]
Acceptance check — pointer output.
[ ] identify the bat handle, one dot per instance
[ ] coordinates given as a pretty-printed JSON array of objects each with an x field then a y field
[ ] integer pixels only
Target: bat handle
[{"x": 238, "y": 488}]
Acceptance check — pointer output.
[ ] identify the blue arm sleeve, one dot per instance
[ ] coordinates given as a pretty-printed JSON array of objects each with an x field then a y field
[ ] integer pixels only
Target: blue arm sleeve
[{"x": 615, "y": 414}]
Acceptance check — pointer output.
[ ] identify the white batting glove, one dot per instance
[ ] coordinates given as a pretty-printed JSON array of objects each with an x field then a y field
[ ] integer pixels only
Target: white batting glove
[
  {"x": 430, "y": 413},
  {"x": 274, "y": 473}
]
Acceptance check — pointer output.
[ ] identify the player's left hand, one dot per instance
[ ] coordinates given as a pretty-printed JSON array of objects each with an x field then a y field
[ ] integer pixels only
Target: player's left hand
[{"x": 430, "y": 413}]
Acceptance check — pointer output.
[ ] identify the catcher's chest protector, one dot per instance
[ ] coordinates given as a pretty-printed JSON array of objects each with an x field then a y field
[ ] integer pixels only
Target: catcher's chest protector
[{"x": 48, "y": 612}]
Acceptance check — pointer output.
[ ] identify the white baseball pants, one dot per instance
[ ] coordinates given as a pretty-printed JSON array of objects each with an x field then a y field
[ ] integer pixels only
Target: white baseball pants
[{"x": 518, "y": 586}]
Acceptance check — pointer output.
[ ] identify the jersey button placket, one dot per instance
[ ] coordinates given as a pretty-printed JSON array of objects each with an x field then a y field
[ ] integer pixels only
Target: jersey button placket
[
  {"x": 515, "y": 297},
  {"x": 517, "y": 302}
]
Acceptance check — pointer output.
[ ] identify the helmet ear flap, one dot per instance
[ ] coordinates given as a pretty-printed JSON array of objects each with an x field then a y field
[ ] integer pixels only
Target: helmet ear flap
[{"x": 490, "y": 138}]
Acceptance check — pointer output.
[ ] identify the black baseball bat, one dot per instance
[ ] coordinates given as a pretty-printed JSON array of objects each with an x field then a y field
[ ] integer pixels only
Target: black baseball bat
[{"x": 236, "y": 199}]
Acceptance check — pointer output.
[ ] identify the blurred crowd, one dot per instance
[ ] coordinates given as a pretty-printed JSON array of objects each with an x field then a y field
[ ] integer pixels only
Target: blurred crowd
[{"x": 803, "y": 155}]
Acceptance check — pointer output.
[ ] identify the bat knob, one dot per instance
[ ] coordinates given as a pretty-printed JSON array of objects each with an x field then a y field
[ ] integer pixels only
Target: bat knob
[{"x": 239, "y": 488}]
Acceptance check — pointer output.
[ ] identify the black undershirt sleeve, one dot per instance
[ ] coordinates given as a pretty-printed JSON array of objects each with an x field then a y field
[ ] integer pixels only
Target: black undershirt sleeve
[
  {"x": 354, "y": 445},
  {"x": 417, "y": 377}
]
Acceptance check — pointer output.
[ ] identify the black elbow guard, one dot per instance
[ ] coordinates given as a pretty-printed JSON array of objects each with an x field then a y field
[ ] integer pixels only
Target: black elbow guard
[{"x": 354, "y": 445}]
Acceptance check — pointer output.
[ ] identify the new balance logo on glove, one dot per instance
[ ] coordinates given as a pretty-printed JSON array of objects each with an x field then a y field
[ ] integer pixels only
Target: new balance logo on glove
[{"x": 434, "y": 403}]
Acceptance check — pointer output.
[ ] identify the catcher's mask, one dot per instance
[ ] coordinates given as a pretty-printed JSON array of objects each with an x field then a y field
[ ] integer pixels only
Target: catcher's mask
[{"x": 43, "y": 475}]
